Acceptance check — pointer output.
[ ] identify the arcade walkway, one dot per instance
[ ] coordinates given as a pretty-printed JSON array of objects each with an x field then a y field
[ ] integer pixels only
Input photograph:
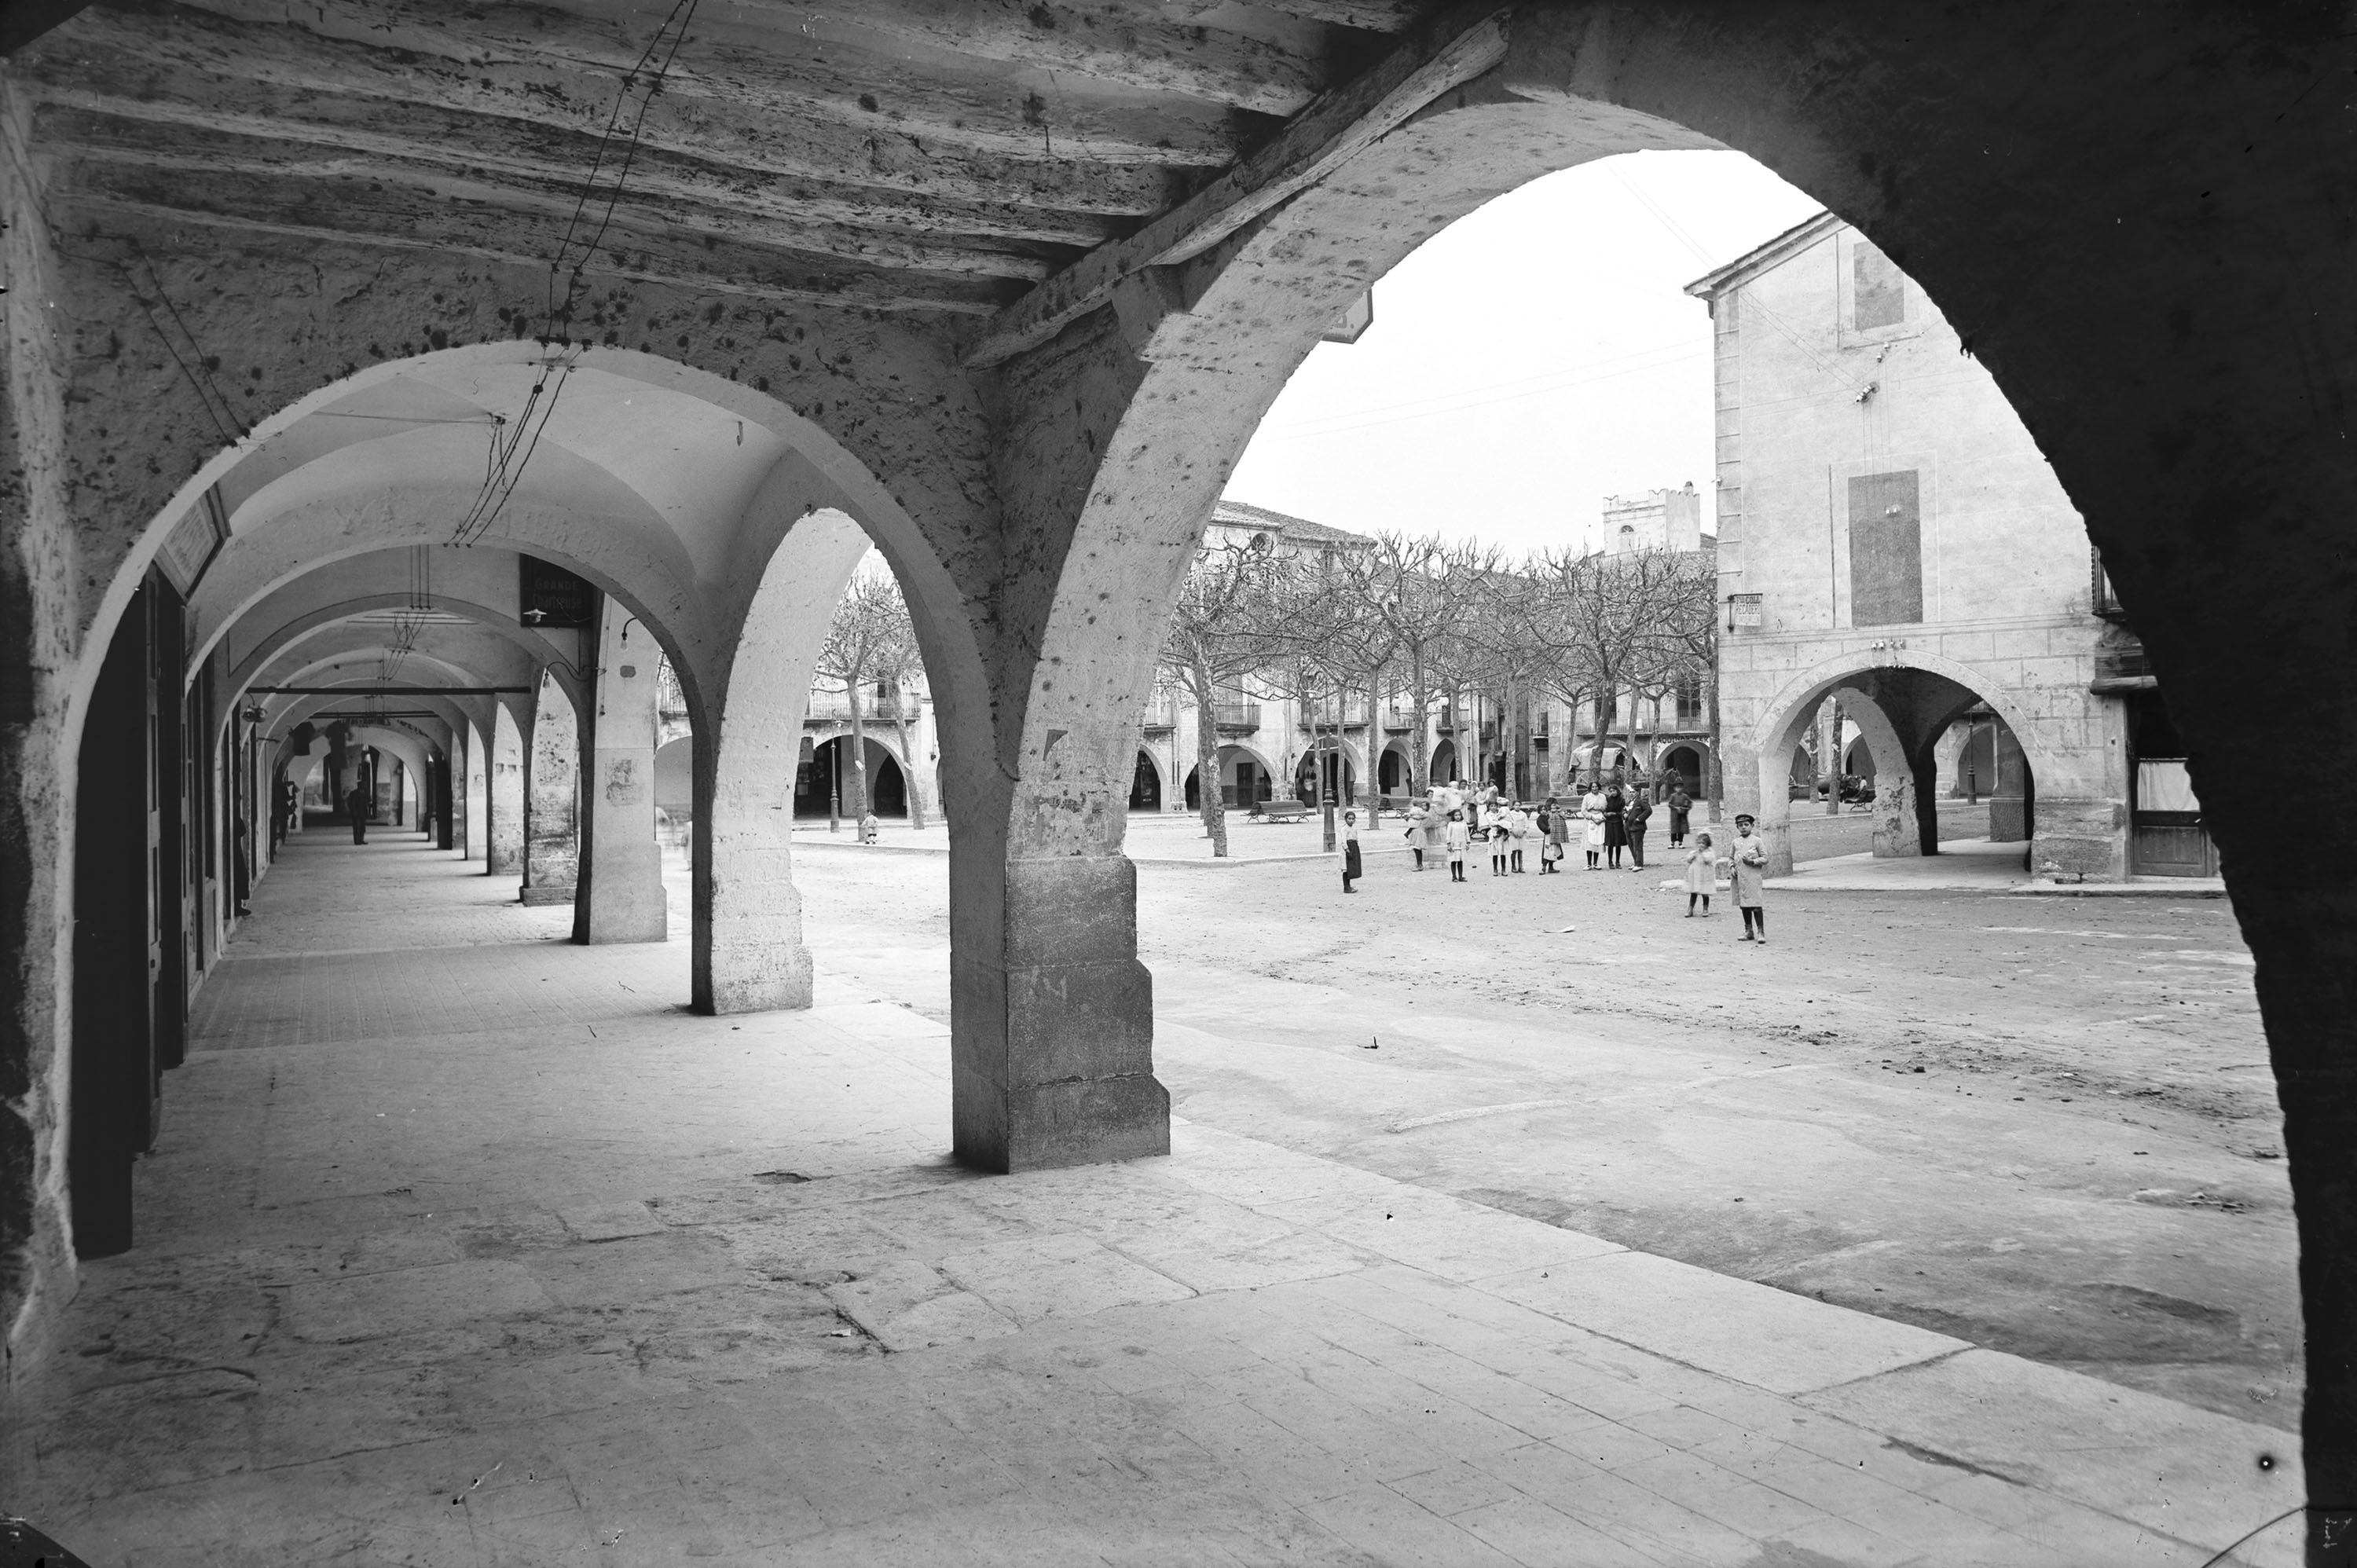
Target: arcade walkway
[{"x": 465, "y": 1245}]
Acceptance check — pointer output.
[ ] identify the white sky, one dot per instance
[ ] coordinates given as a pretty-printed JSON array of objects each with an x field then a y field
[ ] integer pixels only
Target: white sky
[{"x": 1528, "y": 360}]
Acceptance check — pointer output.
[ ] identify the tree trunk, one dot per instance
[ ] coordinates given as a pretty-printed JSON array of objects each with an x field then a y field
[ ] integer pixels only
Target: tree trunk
[
  {"x": 1419, "y": 733},
  {"x": 908, "y": 765},
  {"x": 858, "y": 755},
  {"x": 1207, "y": 759},
  {"x": 1371, "y": 782},
  {"x": 1628, "y": 758}
]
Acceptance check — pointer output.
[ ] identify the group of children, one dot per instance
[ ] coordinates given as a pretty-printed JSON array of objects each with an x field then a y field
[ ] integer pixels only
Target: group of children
[{"x": 1453, "y": 821}]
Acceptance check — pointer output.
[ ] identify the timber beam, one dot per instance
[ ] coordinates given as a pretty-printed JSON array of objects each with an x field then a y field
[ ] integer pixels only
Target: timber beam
[{"x": 1439, "y": 57}]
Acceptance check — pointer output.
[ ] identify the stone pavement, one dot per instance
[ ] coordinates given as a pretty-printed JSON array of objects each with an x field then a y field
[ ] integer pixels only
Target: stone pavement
[
  {"x": 1975, "y": 865},
  {"x": 488, "y": 1253}
]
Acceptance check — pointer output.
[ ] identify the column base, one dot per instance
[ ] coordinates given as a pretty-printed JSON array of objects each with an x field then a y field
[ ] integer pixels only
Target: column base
[
  {"x": 770, "y": 979},
  {"x": 1081, "y": 1122},
  {"x": 548, "y": 895}
]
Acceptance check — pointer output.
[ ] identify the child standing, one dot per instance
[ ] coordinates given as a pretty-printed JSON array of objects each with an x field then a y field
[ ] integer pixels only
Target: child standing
[
  {"x": 1500, "y": 838},
  {"x": 1592, "y": 807},
  {"x": 1702, "y": 874},
  {"x": 1458, "y": 840},
  {"x": 1353, "y": 869},
  {"x": 1748, "y": 872}
]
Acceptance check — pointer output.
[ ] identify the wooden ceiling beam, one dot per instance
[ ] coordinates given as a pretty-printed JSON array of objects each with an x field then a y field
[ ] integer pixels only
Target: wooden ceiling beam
[
  {"x": 540, "y": 153},
  {"x": 991, "y": 105},
  {"x": 1367, "y": 16},
  {"x": 1131, "y": 45},
  {"x": 1449, "y": 51},
  {"x": 651, "y": 204},
  {"x": 358, "y": 210}
]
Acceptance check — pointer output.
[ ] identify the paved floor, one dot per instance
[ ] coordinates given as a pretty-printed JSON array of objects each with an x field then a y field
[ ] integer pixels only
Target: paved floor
[{"x": 465, "y": 1245}]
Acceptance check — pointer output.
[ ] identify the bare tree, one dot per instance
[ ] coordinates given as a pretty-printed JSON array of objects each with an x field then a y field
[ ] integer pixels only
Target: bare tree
[
  {"x": 1603, "y": 624},
  {"x": 1413, "y": 595},
  {"x": 1219, "y": 637},
  {"x": 871, "y": 642}
]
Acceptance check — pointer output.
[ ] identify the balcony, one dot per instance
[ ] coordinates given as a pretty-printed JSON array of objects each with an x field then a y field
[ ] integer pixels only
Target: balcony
[
  {"x": 1354, "y": 716},
  {"x": 834, "y": 708},
  {"x": 2121, "y": 666},
  {"x": 1235, "y": 718},
  {"x": 1162, "y": 714}
]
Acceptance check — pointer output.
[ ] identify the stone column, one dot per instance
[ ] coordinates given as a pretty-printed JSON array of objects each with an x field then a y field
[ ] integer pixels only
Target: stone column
[
  {"x": 620, "y": 891},
  {"x": 551, "y": 852},
  {"x": 503, "y": 798},
  {"x": 475, "y": 819},
  {"x": 746, "y": 952},
  {"x": 2010, "y": 804}
]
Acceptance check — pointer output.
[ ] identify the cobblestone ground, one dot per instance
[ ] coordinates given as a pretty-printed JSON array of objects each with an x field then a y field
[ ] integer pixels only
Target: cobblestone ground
[{"x": 2043, "y": 1124}]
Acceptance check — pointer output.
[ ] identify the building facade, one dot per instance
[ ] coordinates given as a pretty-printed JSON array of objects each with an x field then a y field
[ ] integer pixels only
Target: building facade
[{"x": 1892, "y": 541}]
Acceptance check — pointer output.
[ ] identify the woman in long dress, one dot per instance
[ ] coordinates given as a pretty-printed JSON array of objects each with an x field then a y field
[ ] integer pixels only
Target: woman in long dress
[
  {"x": 1352, "y": 868},
  {"x": 1616, "y": 829}
]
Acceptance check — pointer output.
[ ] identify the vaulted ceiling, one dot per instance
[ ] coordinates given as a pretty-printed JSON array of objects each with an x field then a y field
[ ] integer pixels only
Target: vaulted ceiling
[{"x": 938, "y": 155}]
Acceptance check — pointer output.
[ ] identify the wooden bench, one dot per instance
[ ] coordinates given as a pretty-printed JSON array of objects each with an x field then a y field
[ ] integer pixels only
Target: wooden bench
[{"x": 1284, "y": 810}]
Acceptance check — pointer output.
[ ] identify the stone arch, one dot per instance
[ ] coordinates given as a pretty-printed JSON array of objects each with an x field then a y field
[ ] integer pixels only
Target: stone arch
[{"x": 1927, "y": 691}]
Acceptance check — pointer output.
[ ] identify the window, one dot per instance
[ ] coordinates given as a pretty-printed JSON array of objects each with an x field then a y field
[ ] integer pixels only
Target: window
[
  {"x": 1877, "y": 290},
  {"x": 1886, "y": 549},
  {"x": 1688, "y": 695}
]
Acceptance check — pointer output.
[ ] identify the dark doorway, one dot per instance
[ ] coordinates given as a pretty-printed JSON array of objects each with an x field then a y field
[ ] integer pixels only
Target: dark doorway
[
  {"x": 825, "y": 780},
  {"x": 1145, "y": 786}
]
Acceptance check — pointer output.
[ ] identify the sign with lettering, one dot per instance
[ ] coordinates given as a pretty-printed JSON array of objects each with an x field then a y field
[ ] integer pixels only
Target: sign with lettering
[{"x": 552, "y": 597}]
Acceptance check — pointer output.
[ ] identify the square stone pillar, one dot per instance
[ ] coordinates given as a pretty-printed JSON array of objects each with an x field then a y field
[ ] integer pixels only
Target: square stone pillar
[
  {"x": 1053, "y": 1016},
  {"x": 504, "y": 798},
  {"x": 620, "y": 890},
  {"x": 551, "y": 848}
]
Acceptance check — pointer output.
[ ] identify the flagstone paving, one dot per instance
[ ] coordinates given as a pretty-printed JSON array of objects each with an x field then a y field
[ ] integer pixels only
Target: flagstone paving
[{"x": 486, "y": 1252}]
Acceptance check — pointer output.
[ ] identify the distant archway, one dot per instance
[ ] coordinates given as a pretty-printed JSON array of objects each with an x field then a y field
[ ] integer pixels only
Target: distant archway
[{"x": 1146, "y": 785}]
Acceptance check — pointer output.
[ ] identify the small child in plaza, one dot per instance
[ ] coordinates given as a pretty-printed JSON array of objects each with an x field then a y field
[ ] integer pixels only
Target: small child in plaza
[
  {"x": 867, "y": 825},
  {"x": 1594, "y": 812},
  {"x": 1502, "y": 838},
  {"x": 1747, "y": 870},
  {"x": 1457, "y": 841},
  {"x": 1702, "y": 874}
]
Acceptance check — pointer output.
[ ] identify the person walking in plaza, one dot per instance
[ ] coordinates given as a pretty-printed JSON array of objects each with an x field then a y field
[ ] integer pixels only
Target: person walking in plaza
[
  {"x": 1640, "y": 811},
  {"x": 1702, "y": 874},
  {"x": 1679, "y": 803},
  {"x": 1747, "y": 870},
  {"x": 1459, "y": 838},
  {"x": 1616, "y": 826},
  {"x": 1352, "y": 865},
  {"x": 357, "y": 803}
]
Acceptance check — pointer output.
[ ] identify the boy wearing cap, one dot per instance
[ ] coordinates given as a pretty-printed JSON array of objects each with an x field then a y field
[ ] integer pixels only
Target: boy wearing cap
[{"x": 1748, "y": 863}]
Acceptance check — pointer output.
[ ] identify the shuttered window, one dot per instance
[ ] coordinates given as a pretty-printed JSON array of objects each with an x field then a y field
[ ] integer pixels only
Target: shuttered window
[
  {"x": 1877, "y": 290},
  {"x": 1886, "y": 549}
]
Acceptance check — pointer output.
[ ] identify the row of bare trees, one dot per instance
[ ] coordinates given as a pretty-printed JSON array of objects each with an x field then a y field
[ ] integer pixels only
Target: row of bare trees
[{"x": 1430, "y": 621}]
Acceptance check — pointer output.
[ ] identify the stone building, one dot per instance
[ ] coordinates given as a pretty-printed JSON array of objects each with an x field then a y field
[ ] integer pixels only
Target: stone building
[
  {"x": 1004, "y": 292},
  {"x": 1891, "y": 539}
]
